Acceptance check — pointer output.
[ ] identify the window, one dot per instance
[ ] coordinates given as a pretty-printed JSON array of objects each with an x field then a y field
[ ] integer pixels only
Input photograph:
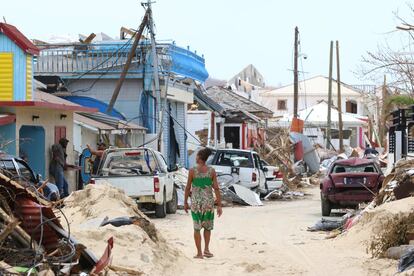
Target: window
[
  {"x": 351, "y": 107},
  {"x": 235, "y": 159},
  {"x": 354, "y": 169},
  {"x": 257, "y": 163},
  {"x": 25, "y": 171},
  {"x": 60, "y": 132},
  {"x": 281, "y": 104},
  {"x": 129, "y": 163}
]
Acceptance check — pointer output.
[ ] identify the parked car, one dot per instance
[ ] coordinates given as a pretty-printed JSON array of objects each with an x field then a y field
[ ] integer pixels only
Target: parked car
[
  {"x": 18, "y": 169},
  {"x": 274, "y": 177},
  {"x": 143, "y": 174},
  {"x": 350, "y": 182},
  {"x": 244, "y": 165}
]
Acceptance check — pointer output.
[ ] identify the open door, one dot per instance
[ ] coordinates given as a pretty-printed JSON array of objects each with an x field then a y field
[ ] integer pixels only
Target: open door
[{"x": 86, "y": 166}]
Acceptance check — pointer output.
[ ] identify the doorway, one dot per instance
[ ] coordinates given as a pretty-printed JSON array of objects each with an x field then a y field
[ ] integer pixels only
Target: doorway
[
  {"x": 32, "y": 147},
  {"x": 232, "y": 135}
]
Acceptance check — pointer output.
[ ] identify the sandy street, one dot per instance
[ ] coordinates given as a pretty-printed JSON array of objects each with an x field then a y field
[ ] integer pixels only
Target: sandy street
[{"x": 270, "y": 240}]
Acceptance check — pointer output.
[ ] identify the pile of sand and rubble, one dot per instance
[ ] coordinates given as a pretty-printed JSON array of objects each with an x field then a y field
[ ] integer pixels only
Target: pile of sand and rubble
[
  {"x": 137, "y": 246},
  {"x": 383, "y": 227}
]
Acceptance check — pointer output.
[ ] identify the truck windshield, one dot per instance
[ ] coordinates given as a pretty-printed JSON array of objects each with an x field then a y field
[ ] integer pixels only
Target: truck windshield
[
  {"x": 129, "y": 163},
  {"x": 235, "y": 159}
]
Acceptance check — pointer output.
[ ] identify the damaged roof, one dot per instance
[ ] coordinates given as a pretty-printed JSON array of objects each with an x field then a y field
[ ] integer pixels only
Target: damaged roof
[
  {"x": 20, "y": 39},
  {"x": 231, "y": 101}
]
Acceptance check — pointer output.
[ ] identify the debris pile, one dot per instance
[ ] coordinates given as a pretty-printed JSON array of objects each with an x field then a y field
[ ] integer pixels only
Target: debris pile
[
  {"x": 32, "y": 239},
  {"x": 100, "y": 212},
  {"x": 398, "y": 184}
]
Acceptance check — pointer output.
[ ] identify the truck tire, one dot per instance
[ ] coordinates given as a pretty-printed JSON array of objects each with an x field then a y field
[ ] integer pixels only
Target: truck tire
[
  {"x": 161, "y": 209},
  {"x": 172, "y": 205},
  {"x": 326, "y": 206}
]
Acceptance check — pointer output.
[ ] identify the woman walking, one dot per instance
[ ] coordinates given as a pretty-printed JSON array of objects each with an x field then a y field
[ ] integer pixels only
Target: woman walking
[{"x": 202, "y": 180}]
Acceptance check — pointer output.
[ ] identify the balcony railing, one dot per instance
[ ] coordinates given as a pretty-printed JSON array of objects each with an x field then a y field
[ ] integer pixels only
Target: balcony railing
[{"x": 74, "y": 60}]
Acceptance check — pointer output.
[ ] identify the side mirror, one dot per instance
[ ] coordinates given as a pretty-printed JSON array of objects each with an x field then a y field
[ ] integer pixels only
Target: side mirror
[{"x": 265, "y": 169}]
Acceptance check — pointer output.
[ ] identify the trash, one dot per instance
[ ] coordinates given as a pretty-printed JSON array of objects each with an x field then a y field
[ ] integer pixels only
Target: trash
[
  {"x": 38, "y": 238},
  {"x": 396, "y": 252},
  {"x": 326, "y": 225},
  {"x": 406, "y": 261},
  {"x": 248, "y": 196}
]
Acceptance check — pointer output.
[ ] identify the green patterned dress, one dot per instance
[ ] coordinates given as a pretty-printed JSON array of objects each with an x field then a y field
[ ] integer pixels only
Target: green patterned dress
[{"x": 202, "y": 200}]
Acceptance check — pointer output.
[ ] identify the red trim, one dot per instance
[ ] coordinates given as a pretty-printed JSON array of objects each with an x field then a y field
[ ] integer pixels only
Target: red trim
[
  {"x": 8, "y": 119},
  {"x": 38, "y": 104},
  {"x": 17, "y": 37},
  {"x": 243, "y": 136}
]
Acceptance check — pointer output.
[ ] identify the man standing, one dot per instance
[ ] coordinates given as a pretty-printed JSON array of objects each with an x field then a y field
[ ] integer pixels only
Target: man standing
[
  {"x": 98, "y": 155},
  {"x": 58, "y": 165}
]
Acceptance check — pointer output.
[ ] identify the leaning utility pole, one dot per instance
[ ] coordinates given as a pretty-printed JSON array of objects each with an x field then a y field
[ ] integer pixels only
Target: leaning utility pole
[
  {"x": 338, "y": 80},
  {"x": 328, "y": 127},
  {"x": 131, "y": 55},
  {"x": 156, "y": 77},
  {"x": 296, "y": 75}
]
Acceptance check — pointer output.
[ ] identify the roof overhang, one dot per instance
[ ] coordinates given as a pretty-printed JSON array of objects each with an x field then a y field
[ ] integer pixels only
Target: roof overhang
[
  {"x": 6, "y": 119},
  {"x": 46, "y": 105},
  {"x": 17, "y": 37}
]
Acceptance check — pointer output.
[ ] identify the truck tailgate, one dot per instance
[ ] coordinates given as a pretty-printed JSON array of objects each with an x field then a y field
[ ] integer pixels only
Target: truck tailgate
[{"x": 133, "y": 186}]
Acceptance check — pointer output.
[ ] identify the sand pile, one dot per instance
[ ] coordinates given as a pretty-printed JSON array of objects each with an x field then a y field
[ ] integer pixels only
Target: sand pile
[
  {"x": 139, "y": 247},
  {"x": 380, "y": 228}
]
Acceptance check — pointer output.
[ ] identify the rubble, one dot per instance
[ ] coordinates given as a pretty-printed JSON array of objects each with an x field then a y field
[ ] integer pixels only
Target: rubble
[
  {"x": 32, "y": 237},
  {"x": 138, "y": 246}
]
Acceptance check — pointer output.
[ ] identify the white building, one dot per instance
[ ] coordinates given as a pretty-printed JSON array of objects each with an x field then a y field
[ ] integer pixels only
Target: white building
[{"x": 311, "y": 92}]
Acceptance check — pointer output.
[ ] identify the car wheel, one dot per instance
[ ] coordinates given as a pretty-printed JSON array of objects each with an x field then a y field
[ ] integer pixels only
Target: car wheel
[
  {"x": 161, "y": 209},
  {"x": 172, "y": 205},
  {"x": 326, "y": 206}
]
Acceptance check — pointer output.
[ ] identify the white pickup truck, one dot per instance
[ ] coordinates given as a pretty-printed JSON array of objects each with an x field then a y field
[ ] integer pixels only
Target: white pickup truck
[{"x": 143, "y": 174}]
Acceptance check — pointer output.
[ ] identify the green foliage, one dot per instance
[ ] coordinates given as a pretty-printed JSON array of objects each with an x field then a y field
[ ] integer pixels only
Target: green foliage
[{"x": 400, "y": 100}]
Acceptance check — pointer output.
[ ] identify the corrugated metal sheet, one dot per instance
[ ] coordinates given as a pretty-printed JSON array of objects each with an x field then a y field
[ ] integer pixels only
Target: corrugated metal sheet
[
  {"x": 29, "y": 78},
  {"x": 6, "y": 76}
]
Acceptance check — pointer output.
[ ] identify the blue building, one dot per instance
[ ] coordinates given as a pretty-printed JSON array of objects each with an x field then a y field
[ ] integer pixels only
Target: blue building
[{"x": 92, "y": 71}]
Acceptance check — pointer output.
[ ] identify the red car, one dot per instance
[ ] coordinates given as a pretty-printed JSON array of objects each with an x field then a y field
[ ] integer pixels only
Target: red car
[{"x": 350, "y": 182}]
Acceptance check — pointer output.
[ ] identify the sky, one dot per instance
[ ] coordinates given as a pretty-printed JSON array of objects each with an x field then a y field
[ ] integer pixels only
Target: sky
[{"x": 233, "y": 33}]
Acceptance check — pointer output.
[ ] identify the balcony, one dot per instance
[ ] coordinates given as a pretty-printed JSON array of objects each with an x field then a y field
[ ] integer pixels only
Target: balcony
[{"x": 106, "y": 60}]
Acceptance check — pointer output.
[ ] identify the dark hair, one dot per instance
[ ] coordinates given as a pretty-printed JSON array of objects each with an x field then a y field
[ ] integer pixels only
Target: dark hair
[{"x": 204, "y": 153}]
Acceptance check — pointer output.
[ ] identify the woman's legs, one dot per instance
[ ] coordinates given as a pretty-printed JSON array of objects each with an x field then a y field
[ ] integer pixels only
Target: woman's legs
[
  {"x": 207, "y": 236},
  {"x": 197, "y": 240}
]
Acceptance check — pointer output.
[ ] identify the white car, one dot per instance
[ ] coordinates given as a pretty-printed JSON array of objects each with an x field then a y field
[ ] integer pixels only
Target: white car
[
  {"x": 243, "y": 165},
  {"x": 143, "y": 174},
  {"x": 274, "y": 178}
]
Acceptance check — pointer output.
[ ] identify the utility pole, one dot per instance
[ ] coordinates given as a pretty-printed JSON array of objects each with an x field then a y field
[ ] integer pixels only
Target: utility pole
[
  {"x": 156, "y": 77},
  {"x": 131, "y": 55},
  {"x": 338, "y": 80},
  {"x": 381, "y": 127},
  {"x": 296, "y": 75},
  {"x": 328, "y": 127}
]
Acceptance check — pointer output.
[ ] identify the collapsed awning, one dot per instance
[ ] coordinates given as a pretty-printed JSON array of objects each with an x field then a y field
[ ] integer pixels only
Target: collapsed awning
[
  {"x": 103, "y": 123},
  {"x": 6, "y": 119}
]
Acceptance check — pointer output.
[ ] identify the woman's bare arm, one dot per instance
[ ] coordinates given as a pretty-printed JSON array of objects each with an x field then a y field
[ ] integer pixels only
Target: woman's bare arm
[
  {"x": 216, "y": 189},
  {"x": 188, "y": 189}
]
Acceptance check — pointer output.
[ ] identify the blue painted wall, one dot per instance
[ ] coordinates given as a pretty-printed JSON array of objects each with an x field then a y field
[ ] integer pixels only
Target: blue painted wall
[
  {"x": 32, "y": 145},
  {"x": 7, "y": 134},
  {"x": 19, "y": 69}
]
